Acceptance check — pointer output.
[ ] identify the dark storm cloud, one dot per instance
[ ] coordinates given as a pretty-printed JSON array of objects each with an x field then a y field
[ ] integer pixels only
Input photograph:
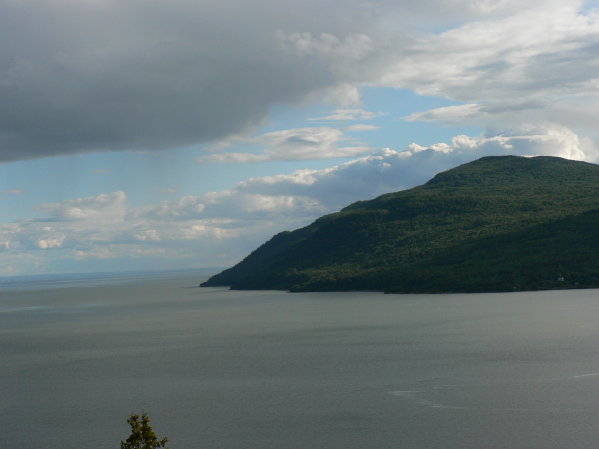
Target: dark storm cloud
[{"x": 79, "y": 76}]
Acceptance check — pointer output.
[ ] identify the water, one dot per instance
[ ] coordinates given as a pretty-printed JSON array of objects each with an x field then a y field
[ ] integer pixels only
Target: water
[{"x": 265, "y": 370}]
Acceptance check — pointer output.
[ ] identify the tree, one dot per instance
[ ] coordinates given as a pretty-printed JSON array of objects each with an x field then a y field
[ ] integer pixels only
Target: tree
[{"x": 142, "y": 435}]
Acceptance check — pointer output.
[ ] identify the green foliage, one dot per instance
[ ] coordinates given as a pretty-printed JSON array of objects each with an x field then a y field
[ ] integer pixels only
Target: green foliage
[
  {"x": 495, "y": 224},
  {"x": 142, "y": 435}
]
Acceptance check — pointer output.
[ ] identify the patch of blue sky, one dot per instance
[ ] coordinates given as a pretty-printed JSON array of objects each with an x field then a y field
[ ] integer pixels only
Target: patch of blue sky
[
  {"x": 589, "y": 6},
  {"x": 146, "y": 178},
  {"x": 395, "y": 131}
]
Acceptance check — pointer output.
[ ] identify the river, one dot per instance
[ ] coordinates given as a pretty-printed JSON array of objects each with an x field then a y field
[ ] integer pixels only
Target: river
[{"x": 272, "y": 370}]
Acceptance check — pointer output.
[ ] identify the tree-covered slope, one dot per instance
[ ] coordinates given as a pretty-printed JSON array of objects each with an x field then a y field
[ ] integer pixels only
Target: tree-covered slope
[{"x": 495, "y": 224}]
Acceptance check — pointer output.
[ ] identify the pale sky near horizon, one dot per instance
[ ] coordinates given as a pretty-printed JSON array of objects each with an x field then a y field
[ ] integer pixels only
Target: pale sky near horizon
[{"x": 162, "y": 135}]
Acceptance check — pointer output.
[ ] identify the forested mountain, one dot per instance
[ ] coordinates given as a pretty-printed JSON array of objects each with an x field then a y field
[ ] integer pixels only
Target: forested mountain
[{"x": 496, "y": 224}]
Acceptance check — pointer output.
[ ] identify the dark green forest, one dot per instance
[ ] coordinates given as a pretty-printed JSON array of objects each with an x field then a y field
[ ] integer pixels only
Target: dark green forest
[{"x": 496, "y": 224}]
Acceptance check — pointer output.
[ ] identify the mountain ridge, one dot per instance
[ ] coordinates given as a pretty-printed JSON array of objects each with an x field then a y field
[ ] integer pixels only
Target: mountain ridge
[{"x": 500, "y": 223}]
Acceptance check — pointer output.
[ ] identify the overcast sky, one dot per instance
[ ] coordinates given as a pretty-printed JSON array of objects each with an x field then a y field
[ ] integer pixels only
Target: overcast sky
[{"x": 144, "y": 134}]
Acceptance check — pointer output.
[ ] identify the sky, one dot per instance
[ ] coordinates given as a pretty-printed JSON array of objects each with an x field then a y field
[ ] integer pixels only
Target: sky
[{"x": 153, "y": 135}]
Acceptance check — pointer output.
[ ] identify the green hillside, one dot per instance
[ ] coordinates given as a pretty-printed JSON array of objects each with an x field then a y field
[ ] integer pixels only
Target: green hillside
[{"x": 495, "y": 224}]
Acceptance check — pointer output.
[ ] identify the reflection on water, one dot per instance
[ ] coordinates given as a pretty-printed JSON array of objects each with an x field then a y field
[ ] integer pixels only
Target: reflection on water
[{"x": 222, "y": 369}]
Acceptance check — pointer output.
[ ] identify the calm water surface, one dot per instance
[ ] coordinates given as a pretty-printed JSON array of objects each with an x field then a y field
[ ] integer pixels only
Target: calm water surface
[{"x": 273, "y": 370}]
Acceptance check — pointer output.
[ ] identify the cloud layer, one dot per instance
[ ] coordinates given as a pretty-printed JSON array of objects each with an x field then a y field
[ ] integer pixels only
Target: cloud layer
[
  {"x": 114, "y": 75},
  {"x": 534, "y": 64}
]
